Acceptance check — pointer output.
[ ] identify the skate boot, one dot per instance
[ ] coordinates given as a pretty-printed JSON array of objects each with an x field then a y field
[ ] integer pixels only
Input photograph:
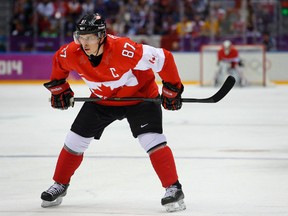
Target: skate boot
[
  {"x": 53, "y": 196},
  {"x": 173, "y": 199}
]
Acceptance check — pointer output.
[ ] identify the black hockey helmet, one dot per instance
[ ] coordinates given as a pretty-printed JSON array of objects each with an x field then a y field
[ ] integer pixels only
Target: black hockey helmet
[{"x": 91, "y": 24}]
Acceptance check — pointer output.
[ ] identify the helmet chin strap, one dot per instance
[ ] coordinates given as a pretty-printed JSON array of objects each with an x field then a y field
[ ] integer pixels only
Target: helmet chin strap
[
  {"x": 99, "y": 46},
  {"x": 95, "y": 59}
]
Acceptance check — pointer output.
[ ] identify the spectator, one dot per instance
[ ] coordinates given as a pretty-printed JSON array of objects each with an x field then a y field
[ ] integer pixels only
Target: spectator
[
  {"x": 112, "y": 9},
  {"x": 197, "y": 26},
  {"x": 184, "y": 31},
  {"x": 21, "y": 23},
  {"x": 211, "y": 26},
  {"x": 74, "y": 9},
  {"x": 46, "y": 11},
  {"x": 100, "y": 7},
  {"x": 210, "y": 19},
  {"x": 18, "y": 29},
  {"x": 61, "y": 9},
  {"x": 137, "y": 21},
  {"x": 88, "y": 6},
  {"x": 45, "y": 8}
]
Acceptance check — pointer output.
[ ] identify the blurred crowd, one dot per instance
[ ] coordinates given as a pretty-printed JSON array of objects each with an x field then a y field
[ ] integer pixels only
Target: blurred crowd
[{"x": 180, "y": 20}]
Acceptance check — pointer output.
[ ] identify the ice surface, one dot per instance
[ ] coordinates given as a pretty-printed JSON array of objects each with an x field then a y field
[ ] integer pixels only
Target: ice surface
[{"x": 232, "y": 157}]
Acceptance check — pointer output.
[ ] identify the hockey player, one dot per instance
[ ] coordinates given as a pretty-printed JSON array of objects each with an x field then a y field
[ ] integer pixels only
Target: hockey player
[
  {"x": 115, "y": 67},
  {"x": 229, "y": 63}
]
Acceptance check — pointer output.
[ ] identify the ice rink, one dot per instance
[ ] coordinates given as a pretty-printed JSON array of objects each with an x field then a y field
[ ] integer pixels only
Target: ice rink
[{"x": 232, "y": 157}]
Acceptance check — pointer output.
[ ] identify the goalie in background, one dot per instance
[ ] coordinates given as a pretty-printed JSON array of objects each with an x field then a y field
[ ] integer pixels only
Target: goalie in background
[{"x": 229, "y": 63}]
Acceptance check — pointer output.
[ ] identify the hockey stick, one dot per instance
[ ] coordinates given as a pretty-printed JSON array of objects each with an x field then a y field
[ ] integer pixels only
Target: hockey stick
[{"x": 221, "y": 93}]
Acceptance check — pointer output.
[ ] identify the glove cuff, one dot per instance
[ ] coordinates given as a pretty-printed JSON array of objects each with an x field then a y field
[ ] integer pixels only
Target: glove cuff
[
  {"x": 59, "y": 89},
  {"x": 57, "y": 86},
  {"x": 171, "y": 91}
]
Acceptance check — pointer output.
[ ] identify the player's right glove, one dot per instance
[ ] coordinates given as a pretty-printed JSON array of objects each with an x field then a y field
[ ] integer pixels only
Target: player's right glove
[
  {"x": 171, "y": 96},
  {"x": 62, "y": 95}
]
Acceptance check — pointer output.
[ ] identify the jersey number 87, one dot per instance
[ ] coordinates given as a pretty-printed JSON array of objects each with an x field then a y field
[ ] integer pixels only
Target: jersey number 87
[{"x": 126, "y": 52}]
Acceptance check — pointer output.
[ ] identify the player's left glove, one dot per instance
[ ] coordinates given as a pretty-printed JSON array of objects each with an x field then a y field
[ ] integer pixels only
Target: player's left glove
[
  {"x": 171, "y": 96},
  {"x": 62, "y": 95},
  {"x": 241, "y": 63}
]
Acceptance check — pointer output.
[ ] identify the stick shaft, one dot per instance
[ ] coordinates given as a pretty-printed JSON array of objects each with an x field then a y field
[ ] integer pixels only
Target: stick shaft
[{"x": 221, "y": 93}]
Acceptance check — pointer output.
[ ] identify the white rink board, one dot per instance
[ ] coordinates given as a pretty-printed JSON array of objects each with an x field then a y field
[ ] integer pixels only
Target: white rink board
[{"x": 189, "y": 65}]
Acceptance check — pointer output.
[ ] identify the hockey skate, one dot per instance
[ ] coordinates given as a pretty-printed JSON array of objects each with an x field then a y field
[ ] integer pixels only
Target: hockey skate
[
  {"x": 53, "y": 196},
  {"x": 173, "y": 199}
]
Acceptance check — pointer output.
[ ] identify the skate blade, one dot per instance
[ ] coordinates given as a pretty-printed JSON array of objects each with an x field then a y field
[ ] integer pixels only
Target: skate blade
[
  {"x": 47, "y": 204},
  {"x": 176, "y": 206}
]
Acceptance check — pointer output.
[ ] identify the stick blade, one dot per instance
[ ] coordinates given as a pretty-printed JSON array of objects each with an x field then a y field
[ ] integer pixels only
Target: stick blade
[{"x": 223, "y": 91}]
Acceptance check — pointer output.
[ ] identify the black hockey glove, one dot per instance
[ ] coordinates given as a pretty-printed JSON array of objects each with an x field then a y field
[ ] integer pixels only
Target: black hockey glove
[
  {"x": 62, "y": 95},
  {"x": 171, "y": 96},
  {"x": 241, "y": 64}
]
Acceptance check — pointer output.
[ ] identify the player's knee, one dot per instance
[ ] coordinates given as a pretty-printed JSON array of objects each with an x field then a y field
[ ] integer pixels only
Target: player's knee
[
  {"x": 77, "y": 143},
  {"x": 151, "y": 141}
]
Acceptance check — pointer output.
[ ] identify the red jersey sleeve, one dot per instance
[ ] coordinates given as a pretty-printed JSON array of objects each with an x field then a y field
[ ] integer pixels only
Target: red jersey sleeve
[
  {"x": 169, "y": 73},
  {"x": 160, "y": 61},
  {"x": 60, "y": 66}
]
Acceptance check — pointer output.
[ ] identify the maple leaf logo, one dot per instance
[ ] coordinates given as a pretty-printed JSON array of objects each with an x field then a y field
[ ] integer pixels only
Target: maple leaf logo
[
  {"x": 152, "y": 60},
  {"x": 103, "y": 90},
  {"x": 107, "y": 88}
]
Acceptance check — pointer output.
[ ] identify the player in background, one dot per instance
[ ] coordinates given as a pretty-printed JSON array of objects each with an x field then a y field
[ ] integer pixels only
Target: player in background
[
  {"x": 229, "y": 63},
  {"x": 115, "y": 67}
]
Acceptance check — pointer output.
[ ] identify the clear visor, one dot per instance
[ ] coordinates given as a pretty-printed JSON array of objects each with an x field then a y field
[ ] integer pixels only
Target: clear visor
[{"x": 86, "y": 38}]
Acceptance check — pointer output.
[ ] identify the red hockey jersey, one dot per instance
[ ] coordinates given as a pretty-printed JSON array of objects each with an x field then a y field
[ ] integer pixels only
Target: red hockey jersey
[
  {"x": 232, "y": 57},
  {"x": 126, "y": 69}
]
